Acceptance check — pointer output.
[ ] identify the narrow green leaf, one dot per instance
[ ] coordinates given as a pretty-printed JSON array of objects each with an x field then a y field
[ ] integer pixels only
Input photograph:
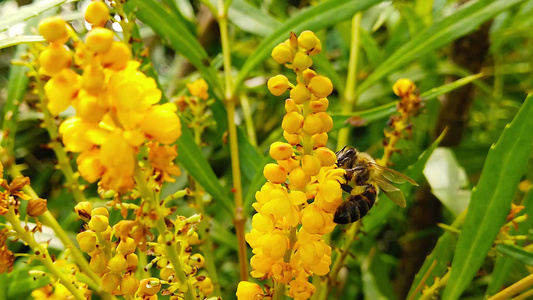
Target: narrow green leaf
[
  {"x": 251, "y": 19},
  {"x": 191, "y": 157},
  {"x": 491, "y": 199},
  {"x": 17, "y": 86},
  {"x": 371, "y": 47},
  {"x": 503, "y": 265},
  {"x": 460, "y": 23},
  {"x": 368, "y": 116},
  {"x": 517, "y": 253},
  {"x": 378, "y": 215},
  {"x": 446, "y": 88},
  {"x": 320, "y": 16},
  {"x": 28, "y": 11},
  {"x": 377, "y": 113},
  {"x": 325, "y": 68},
  {"x": 20, "y": 39},
  {"x": 250, "y": 159},
  {"x": 177, "y": 35}
]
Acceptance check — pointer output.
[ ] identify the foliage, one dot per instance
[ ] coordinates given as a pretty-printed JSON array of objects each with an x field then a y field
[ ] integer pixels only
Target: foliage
[{"x": 407, "y": 77}]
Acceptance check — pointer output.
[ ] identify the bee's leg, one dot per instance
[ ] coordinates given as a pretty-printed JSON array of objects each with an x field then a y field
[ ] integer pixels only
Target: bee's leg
[
  {"x": 348, "y": 189},
  {"x": 354, "y": 169}
]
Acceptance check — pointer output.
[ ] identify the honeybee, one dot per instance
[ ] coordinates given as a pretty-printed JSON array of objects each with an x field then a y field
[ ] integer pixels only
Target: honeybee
[{"x": 367, "y": 177}]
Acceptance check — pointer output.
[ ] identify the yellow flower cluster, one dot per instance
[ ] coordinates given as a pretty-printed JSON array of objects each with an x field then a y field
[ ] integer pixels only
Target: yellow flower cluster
[
  {"x": 116, "y": 104},
  {"x": 112, "y": 252},
  {"x": 305, "y": 170},
  {"x": 408, "y": 106}
]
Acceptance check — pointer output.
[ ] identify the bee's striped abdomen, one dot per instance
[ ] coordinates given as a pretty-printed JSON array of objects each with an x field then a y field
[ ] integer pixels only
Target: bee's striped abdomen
[{"x": 356, "y": 206}]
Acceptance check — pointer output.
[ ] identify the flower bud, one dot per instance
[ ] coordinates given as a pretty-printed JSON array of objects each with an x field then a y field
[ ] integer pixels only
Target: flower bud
[
  {"x": 320, "y": 105},
  {"x": 90, "y": 168},
  {"x": 311, "y": 165},
  {"x": 87, "y": 240},
  {"x": 280, "y": 151},
  {"x": 116, "y": 58},
  {"x": 320, "y": 140},
  {"x": 83, "y": 209},
  {"x": 278, "y": 84},
  {"x": 307, "y": 75},
  {"x": 297, "y": 197},
  {"x": 36, "y": 207},
  {"x": 117, "y": 263},
  {"x": 248, "y": 290},
  {"x": 282, "y": 53},
  {"x": 98, "y": 263},
  {"x": 291, "y": 106},
  {"x": 274, "y": 173},
  {"x": 298, "y": 178},
  {"x": 282, "y": 272},
  {"x": 288, "y": 164},
  {"x": 129, "y": 284},
  {"x": 162, "y": 124},
  {"x": 54, "y": 59},
  {"x": 61, "y": 90},
  {"x": 300, "y": 93},
  {"x": 307, "y": 40},
  {"x": 126, "y": 246},
  {"x": 97, "y": 13},
  {"x": 89, "y": 108},
  {"x": 403, "y": 87},
  {"x": 110, "y": 282},
  {"x": 320, "y": 86},
  {"x": 165, "y": 273},
  {"x": 133, "y": 260},
  {"x": 100, "y": 211},
  {"x": 292, "y": 122},
  {"x": 313, "y": 124},
  {"x": 205, "y": 284},
  {"x": 99, "y": 223},
  {"x": 99, "y": 40},
  {"x": 54, "y": 30},
  {"x": 149, "y": 286},
  {"x": 327, "y": 157},
  {"x": 317, "y": 49},
  {"x": 301, "y": 62},
  {"x": 326, "y": 120},
  {"x": 197, "y": 260},
  {"x": 292, "y": 138}
]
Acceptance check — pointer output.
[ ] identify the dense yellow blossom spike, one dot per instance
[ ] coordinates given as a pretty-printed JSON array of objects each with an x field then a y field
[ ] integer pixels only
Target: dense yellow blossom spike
[{"x": 287, "y": 230}]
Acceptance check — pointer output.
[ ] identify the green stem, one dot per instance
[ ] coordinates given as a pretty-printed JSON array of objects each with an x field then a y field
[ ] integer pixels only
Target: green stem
[
  {"x": 234, "y": 147},
  {"x": 245, "y": 104},
  {"x": 172, "y": 249},
  {"x": 43, "y": 254},
  {"x": 350, "y": 96},
  {"x": 430, "y": 292},
  {"x": 50, "y": 221}
]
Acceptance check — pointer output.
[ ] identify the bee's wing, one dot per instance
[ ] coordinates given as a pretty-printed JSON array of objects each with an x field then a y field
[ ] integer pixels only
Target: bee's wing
[
  {"x": 394, "y": 176},
  {"x": 394, "y": 193}
]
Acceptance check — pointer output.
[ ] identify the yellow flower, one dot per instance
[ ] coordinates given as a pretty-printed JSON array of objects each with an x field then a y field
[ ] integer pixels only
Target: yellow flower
[
  {"x": 199, "y": 89},
  {"x": 162, "y": 160},
  {"x": 61, "y": 90},
  {"x": 301, "y": 289},
  {"x": 54, "y": 59},
  {"x": 249, "y": 291},
  {"x": 97, "y": 13},
  {"x": 77, "y": 133},
  {"x": 90, "y": 166},
  {"x": 162, "y": 124},
  {"x": 54, "y": 30}
]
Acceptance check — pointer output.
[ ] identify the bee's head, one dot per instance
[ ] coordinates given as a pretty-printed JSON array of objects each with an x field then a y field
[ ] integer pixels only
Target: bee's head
[{"x": 345, "y": 156}]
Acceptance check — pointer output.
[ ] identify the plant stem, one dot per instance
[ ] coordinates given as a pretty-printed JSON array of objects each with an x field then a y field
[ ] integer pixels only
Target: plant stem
[
  {"x": 514, "y": 289},
  {"x": 234, "y": 147},
  {"x": 172, "y": 249},
  {"x": 350, "y": 97},
  {"x": 431, "y": 291},
  {"x": 245, "y": 104},
  {"x": 50, "y": 221},
  {"x": 43, "y": 254}
]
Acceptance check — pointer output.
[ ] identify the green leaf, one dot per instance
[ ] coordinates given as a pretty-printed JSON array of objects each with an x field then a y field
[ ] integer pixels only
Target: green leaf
[
  {"x": 21, "y": 284},
  {"x": 325, "y": 68},
  {"x": 380, "y": 112},
  {"x": 502, "y": 267},
  {"x": 251, "y": 19},
  {"x": 516, "y": 252},
  {"x": 177, "y": 35},
  {"x": 320, "y": 16},
  {"x": 20, "y": 39},
  {"x": 27, "y": 12},
  {"x": 446, "y": 88},
  {"x": 17, "y": 86},
  {"x": 491, "y": 199},
  {"x": 460, "y": 23},
  {"x": 368, "y": 116},
  {"x": 191, "y": 157}
]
